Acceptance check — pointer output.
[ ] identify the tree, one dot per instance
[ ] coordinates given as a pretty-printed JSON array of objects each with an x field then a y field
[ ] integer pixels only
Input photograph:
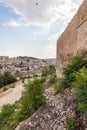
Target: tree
[
  {"x": 48, "y": 70},
  {"x": 45, "y": 71},
  {"x": 6, "y": 78},
  {"x": 52, "y": 69},
  {"x": 1, "y": 80}
]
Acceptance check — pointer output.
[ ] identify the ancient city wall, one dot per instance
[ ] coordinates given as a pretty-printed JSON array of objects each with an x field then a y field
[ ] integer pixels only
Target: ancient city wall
[{"x": 73, "y": 40}]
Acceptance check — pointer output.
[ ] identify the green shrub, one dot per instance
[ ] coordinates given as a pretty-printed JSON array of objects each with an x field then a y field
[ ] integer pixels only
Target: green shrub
[
  {"x": 29, "y": 77},
  {"x": 6, "y": 112},
  {"x": 45, "y": 71},
  {"x": 12, "y": 86},
  {"x": 42, "y": 80},
  {"x": 23, "y": 80},
  {"x": 80, "y": 85},
  {"x": 48, "y": 70},
  {"x": 52, "y": 80},
  {"x": 35, "y": 93},
  {"x": 33, "y": 98},
  {"x": 76, "y": 64},
  {"x": 5, "y": 88},
  {"x": 52, "y": 70},
  {"x": 35, "y": 75},
  {"x": 59, "y": 88},
  {"x": 70, "y": 123}
]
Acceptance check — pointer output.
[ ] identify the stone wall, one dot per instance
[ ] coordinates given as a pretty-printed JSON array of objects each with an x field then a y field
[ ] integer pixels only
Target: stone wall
[{"x": 73, "y": 40}]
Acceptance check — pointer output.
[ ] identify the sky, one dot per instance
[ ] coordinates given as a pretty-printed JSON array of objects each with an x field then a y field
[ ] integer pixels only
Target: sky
[{"x": 32, "y": 27}]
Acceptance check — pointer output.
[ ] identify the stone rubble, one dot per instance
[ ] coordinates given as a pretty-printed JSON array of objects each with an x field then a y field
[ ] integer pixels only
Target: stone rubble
[{"x": 51, "y": 116}]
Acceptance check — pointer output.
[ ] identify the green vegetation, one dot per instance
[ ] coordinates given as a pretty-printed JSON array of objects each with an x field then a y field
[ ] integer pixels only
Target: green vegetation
[
  {"x": 80, "y": 85},
  {"x": 12, "y": 86},
  {"x": 6, "y": 78},
  {"x": 5, "y": 88},
  {"x": 70, "y": 123},
  {"x": 76, "y": 64},
  {"x": 52, "y": 80},
  {"x": 35, "y": 75},
  {"x": 42, "y": 80},
  {"x": 5, "y": 114},
  {"x": 48, "y": 70},
  {"x": 32, "y": 100},
  {"x": 75, "y": 75},
  {"x": 58, "y": 87}
]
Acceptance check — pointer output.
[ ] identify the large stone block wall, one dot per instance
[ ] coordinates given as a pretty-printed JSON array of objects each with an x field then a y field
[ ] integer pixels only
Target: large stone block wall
[{"x": 73, "y": 40}]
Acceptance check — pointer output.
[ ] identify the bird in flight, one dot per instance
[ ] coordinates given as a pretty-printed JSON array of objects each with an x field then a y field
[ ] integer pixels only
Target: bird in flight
[{"x": 36, "y": 3}]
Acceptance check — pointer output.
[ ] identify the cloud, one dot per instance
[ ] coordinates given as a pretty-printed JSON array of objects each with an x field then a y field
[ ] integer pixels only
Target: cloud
[
  {"x": 16, "y": 23},
  {"x": 44, "y": 12}
]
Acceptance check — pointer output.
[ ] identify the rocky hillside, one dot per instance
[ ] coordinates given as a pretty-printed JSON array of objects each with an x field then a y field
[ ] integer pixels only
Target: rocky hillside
[{"x": 52, "y": 116}]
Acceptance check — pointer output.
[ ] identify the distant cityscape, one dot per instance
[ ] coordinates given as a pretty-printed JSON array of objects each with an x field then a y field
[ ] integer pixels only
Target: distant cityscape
[{"x": 24, "y": 66}]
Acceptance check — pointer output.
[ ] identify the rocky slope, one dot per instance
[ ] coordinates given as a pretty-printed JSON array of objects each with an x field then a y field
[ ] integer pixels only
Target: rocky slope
[{"x": 51, "y": 116}]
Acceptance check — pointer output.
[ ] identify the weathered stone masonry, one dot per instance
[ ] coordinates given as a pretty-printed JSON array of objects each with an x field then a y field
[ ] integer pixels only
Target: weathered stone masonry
[{"x": 73, "y": 40}]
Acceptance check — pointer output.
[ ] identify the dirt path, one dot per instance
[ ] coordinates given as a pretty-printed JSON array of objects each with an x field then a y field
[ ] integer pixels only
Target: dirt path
[{"x": 11, "y": 95}]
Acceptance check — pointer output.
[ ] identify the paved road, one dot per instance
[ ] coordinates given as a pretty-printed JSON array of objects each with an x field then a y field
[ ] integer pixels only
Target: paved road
[{"x": 11, "y": 95}]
